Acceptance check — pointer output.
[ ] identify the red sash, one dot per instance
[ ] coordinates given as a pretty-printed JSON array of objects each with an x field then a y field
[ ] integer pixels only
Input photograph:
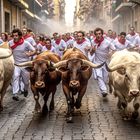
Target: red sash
[
  {"x": 132, "y": 34},
  {"x": 26, "y": 36},
  {"x": 68, "y": 39},
  {"x": 81, "y": 41},
  {"x": 98, "y": 42},
  {"x": 17, "y": 43}
]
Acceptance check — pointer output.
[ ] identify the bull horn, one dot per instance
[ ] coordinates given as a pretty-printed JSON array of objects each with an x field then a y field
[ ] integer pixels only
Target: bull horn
[
  {"x": 92, "y": 64},
  {"x": 116, "y": 67},
  {"x": 25, "y": 64},
  {"x": 6, "y": 56},
  {"x": 58, "y": 64}
]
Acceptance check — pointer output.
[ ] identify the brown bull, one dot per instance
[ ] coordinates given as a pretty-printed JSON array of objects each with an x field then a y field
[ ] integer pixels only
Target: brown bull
[
  {"x": 44, "y": 79},
  {"x": 76, "y": 71}
]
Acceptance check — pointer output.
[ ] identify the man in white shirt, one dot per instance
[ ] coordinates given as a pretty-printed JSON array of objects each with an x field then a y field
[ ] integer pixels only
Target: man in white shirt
[
  {"x": 134, "y": 38},
  {"x": 121, "y": 43},
  {"x": 22, "y": 50},
  {"x": 101, "y": 48},
  {"x": 48, "y": 46},
  {"x": 69, "y": 40},
  {"x": 28, "y": 37},
  {"x": 59, "y": 45},
  {"x": 81, "y": 43},
  {"x": 132, "y": 35}
]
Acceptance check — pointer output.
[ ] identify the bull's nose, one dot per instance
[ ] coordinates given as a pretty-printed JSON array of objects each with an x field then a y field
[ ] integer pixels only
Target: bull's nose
[
  {"x": 40, "y": 84},
  {"x": 74, "y": 83},
  {"x": 134, "y": 92}
]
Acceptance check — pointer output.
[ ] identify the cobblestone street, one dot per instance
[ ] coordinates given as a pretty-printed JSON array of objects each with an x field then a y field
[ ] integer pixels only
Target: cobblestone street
[{"x": 97, "y": 119}]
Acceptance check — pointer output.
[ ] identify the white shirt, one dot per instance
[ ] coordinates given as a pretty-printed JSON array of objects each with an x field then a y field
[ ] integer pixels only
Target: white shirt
[
  {"x": 61, "y": 45},
  {"x": 82, "y": 46},
  {"x": 69, "y": 42},
  {"x": 119, "y": 46},
  {"x": 132, "y": 38},
  {"x": 45, "y": 49},
  {"x": 19, "y": 52},
  {"x": 102, "y": 52},
  {"x": 31, "y": 41},
  {"x": 137, "y": 41}
]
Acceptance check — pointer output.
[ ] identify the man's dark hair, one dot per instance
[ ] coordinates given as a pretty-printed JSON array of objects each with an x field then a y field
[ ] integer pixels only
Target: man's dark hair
[
  {"x": 123, "y": 33},
  {"x": 16, "y": 30},
  {"x": 98, "y": 29},
  {"x": 47, "y": 39},
  {"x": 29, "y": 30},
  {"x": 81, "y": 33}
]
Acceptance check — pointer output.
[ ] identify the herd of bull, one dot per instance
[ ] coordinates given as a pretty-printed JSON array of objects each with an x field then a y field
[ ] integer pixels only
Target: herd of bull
[{"x": 74, "y": 69}]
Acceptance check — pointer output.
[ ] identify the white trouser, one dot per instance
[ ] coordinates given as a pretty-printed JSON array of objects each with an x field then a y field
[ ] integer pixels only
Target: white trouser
[
  {"x": 20, "y": 74},
  {"x": 101, "y": 75},
  {"x": 102, "y": 85}
]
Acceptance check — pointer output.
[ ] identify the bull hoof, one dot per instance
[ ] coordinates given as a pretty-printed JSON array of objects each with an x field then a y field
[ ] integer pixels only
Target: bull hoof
[
  {"x": 45, "y": 110},
  {"x": 77, "y": 105},
  {"x": 51, "y": 107},
  {"x": 69, "y": 119},
  {"x": 135, "y": 115}
]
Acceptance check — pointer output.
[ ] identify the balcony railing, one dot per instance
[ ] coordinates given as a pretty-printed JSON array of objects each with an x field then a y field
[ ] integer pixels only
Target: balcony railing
[
  {"x": 21, "y": 3},
  {"x": 122, "y": 6}
]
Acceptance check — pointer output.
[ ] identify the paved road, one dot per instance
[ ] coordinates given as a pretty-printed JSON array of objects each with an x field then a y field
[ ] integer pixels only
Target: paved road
[{"x": 97, "y": 119}]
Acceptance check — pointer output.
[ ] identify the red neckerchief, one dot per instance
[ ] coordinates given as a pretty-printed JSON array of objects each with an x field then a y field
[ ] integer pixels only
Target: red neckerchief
[
  {"x": 49, "y": 48},
  {"x": 132, "y": 34},
  {"x": 17, "y": 43},
  {"x": 81, "y": 41},
  {"x": 122, "y": 41},
  {"x": 57, "y": 41},
  {"x": 42, "y": 43},
  {"x": 26, "y": 36},
  {"x": 98, "y": 42},
  {"x": 68, "y": 39}
]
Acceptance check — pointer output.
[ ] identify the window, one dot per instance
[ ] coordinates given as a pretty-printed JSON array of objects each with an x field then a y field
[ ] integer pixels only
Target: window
[{"x": 7, "y": 22}]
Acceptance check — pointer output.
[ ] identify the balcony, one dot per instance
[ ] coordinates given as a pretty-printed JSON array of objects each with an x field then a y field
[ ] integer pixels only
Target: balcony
[
  {"x": 20, "y": 3},
  {"x": 28, "y": 13},
  {"x": 37, "y": 18},
  {"x": 116, "y": 18},
  {"x": 135, "y": 1},
  {"x": 38, "y": 2},
  {"x": 123, "y": 6}
]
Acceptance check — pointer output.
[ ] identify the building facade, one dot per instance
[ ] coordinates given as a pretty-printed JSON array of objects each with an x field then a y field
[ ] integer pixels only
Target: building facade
[
  {"x": 126, "y": 13},
  {"x": 19, "y": 13}
]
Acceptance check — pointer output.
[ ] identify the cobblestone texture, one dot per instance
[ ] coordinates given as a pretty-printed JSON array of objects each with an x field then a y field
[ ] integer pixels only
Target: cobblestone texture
[{"x": 97, "y": 119}]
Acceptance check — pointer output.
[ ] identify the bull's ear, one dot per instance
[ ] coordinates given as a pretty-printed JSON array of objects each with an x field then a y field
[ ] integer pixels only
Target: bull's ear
[
  {"x": 29, "y": 69},
  {"x": 122, "y": 71}
]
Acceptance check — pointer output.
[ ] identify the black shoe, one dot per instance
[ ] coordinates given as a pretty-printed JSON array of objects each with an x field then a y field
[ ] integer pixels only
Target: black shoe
[
  {"x": 25, "y": 93},
  {"x": 104, "y": 94},
  {"x": 16, "y": 98}
]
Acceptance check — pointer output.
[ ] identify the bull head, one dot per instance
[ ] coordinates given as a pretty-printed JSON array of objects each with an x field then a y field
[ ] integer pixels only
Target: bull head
[
  {"x": 38, "y": 71},
  {"x": 130, "y": 75},
  {"x": 7, "y": 55},
  {"x": 73, "y": 69},
  {"x": 86, "y": 62}
]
